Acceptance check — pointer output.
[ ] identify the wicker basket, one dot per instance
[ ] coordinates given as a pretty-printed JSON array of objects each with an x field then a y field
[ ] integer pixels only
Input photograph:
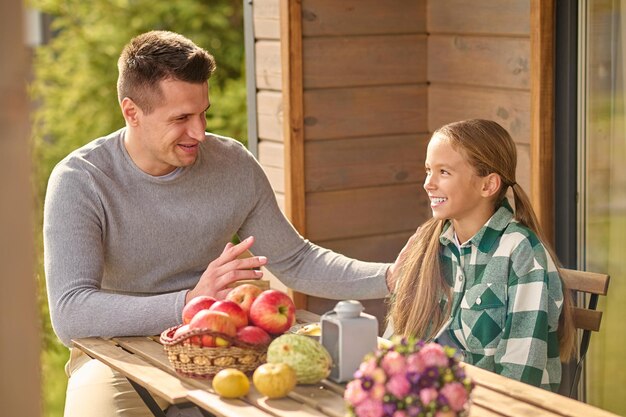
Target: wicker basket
[{"x": 204, "y": 362}]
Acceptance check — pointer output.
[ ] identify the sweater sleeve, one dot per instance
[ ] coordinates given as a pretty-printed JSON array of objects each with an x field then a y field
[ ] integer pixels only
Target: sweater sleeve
[
  {"x": 74, "y": 221},
  {"x": 300, "y": 264}
]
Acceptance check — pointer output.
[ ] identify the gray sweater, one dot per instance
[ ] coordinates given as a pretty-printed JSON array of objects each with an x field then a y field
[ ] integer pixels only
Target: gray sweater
[{"x": 122, "y": 247}]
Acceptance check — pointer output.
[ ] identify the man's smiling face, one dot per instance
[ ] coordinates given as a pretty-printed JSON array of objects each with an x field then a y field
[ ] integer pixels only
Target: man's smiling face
[{"x": 169, "y": 136}]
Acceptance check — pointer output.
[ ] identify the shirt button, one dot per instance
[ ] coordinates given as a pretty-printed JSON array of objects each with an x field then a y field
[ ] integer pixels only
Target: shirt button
[
  {"x": 478, "y": 301},
  {"x": 460, "y": 277}
]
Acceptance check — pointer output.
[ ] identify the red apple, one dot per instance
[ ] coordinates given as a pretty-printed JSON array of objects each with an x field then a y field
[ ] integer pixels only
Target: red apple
[
  {"x": 207, "y": 341},
  {"x": 201, "y": 302},
  {"x": 180, "y": 331},
  {"x": 273, "y": 311},
  {"x": 194, "y": 340},
  {"x": 244, "y": 295},
  {"x": 253, "y": 335},
  {"x": 236, "y": 313},
  {"x": 215, "y": 321}
]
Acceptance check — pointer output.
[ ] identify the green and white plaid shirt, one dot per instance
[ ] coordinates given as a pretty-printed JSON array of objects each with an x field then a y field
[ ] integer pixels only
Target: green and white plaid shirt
[{"x": 506, "y": 300}]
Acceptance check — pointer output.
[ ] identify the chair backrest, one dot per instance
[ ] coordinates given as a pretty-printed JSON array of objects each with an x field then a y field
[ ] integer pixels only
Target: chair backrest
[{"x": 586, "y": 317}]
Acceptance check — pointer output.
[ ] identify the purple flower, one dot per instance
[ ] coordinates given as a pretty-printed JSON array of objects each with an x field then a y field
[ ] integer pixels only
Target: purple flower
[
  {"x": 430, "y": 377},
  {"x": 456, "y": 395},
  {"x": 369, "y": 408},
  {"x": 389, "y": 408},
  {"x": 394, "y": 363},
  {"x": 413, "y": 377},
  {"x": 433, "y": 355},
  {"x": 367, "y": 383},
  {"x": 398, "y": 386}
]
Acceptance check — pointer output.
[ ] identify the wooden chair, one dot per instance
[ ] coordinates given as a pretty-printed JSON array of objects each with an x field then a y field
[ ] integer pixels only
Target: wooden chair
[{"x": 586, "y": 319}]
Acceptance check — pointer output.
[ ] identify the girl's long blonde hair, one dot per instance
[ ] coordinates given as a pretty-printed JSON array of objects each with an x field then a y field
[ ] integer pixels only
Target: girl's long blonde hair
[{"x": 416, "y": 308}]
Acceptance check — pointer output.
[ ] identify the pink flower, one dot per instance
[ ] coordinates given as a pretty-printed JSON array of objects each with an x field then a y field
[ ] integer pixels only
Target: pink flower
[
  {"x": 432, "y": 354},
  {"x": 427, "y": 395},
  {"x": 354, "y": 392},
  {"x": 394, "y": 363},
  {"x": 377, "y": 392},
  {"x": 400, "y": 413},
  {"x": 379, "y": 376},
  {"x": 414, "y": 363},
  {"x": 456, "y": 395},
  {"x": 369, "y": 408},
  {"x": 398, "y": 386},
  {"x": 366, "y": 368}
]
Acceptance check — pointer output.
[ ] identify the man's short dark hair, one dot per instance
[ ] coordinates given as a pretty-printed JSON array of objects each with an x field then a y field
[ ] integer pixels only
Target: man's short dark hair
[{"x": 155, "y": 56}]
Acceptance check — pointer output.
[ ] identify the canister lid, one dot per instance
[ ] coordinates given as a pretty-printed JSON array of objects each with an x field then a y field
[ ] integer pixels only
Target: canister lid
[{"x": 348, "y": 309}]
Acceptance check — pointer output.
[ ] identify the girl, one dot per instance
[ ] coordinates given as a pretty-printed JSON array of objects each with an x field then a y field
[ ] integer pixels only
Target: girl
[{"x": 477, "y": 276}]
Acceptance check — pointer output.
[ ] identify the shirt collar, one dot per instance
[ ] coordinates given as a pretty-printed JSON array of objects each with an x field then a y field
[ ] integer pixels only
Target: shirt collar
[{"x": 488, "y": 234}]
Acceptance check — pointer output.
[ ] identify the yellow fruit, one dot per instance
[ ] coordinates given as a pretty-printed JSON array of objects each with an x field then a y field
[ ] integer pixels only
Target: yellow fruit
[
  {"x": 231, "y": 383},
  {"x": 275, "y": 380}
]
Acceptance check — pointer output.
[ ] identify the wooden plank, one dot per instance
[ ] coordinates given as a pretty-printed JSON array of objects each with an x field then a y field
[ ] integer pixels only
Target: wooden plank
[
  {"x": 363, "y": 162},
  {"x": 155, "y": 380},
  {"x": 479, "y": 60},
  {"x": 591, "y": 282},
  {"x": 525, "y": 393},
  {"x": 377, "y": 248},
  {"x": 451, "y": 103},
  {"x": 476, "y": 410},
  {"x": 362, "y": 17},
  {"x": 365, "y": 111},
  {"x": 276, "y": 176},
  {"x": 364, "y": 60},
  {"x": 225, "y": 407},
  {"x": 522, "y": 173},
  {"x": 271, "y": 154},
  {"x": 327, "y": 401},
  {"x": 498, "y": 402},
  {"x": 587, "y": 319},
  {"x": 542, "y": 34},
  {"x": 153, "y": 353},
  {"x": 479, "y": 16},
  {"x": 268, "y": 65},
  {"x": 293, "y": 126},
  {"x": 282, "y": 407},
  {"x": 266, "y": 19},
  {"x": 270, "y": 115},
  {"x": 365, "y": 211},
  {"x": 305, "y": 316}
]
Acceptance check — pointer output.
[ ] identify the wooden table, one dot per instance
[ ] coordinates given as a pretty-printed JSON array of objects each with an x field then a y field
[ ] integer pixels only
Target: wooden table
[{"x": 144, "y": 362}]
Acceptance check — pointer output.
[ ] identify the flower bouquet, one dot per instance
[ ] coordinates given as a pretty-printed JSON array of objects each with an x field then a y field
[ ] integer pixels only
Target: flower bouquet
[{"x": 409, "y": 378}]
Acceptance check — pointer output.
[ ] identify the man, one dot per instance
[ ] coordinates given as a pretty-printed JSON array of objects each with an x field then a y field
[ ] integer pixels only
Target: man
[{"x": 132, "y": 220}]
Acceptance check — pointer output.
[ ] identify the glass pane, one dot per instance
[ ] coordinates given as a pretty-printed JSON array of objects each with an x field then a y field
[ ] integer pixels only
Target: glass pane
[{"x": 604, "y": 202}]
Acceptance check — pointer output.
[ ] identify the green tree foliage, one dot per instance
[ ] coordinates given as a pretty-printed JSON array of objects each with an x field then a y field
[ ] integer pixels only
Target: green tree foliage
[{"x": 74, "y": 91}]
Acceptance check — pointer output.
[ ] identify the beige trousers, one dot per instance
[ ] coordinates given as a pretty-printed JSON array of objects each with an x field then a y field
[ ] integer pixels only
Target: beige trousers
[{"x": 95, "y": 390}]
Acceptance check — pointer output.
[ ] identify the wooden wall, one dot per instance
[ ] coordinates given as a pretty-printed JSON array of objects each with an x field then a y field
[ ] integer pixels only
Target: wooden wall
[
  {"x": 479, "y": 67},
  {"x": 365, "y": 120},
  {"x": 376, "y": 79}
]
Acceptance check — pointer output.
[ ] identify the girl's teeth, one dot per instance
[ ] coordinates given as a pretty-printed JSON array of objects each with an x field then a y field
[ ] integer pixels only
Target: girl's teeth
[{"x": 439, "y": 200}]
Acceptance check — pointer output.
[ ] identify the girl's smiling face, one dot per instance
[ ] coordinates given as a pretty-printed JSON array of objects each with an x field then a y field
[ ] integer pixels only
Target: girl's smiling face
[{"x": 455, "y": 191}]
